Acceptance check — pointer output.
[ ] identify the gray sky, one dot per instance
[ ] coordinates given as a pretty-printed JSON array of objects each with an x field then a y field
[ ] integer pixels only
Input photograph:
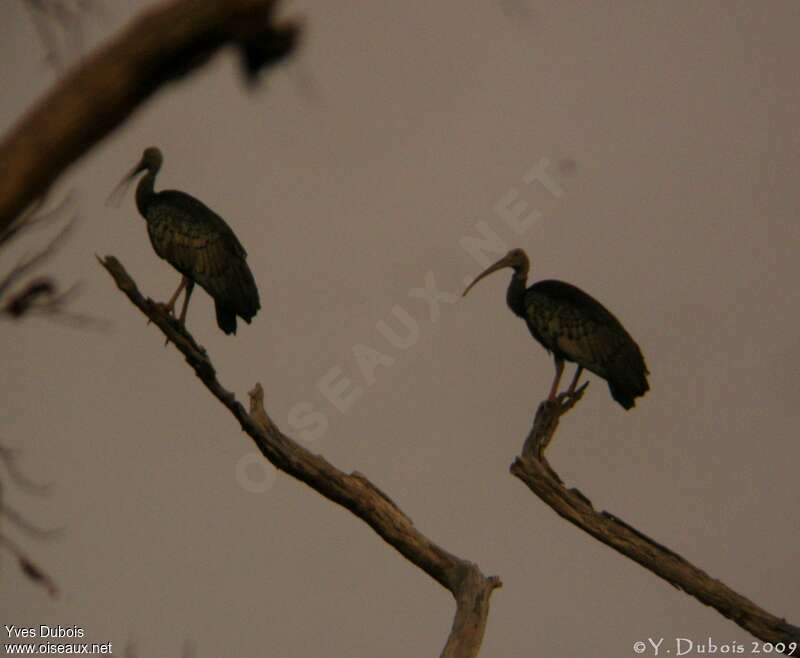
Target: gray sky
[{"x": 351, "y": 176}]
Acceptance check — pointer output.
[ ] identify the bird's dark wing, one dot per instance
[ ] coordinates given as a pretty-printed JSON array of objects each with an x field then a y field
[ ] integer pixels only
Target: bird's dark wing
[
  {"x": 577, "y": 327},
  {"x": 194, "y": 209},
  {"x": 200, "y": 245}
]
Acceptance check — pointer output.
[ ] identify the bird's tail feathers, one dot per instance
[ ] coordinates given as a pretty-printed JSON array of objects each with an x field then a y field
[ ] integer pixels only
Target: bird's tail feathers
[
  {"x": 628, "y": 380},
  {"x": 247, "y": 301},
  {"x": 226, "y": 319}
]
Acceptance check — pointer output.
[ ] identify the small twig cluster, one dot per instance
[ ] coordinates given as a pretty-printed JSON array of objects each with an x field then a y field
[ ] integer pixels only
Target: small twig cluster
[
  {"x": 23, "y": 294},
  {"x": 9, "y": 516}
]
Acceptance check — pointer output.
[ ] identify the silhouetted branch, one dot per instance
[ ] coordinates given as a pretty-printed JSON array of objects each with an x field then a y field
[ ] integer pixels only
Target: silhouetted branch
[
  {"x": 8, "y": 458},
  {"x": 533, "y": 469},
  {"x": 9, "y": 515},
  {"x": 35, "y": 217},
  {"x": 39, "y": 295},
  {"x": 32, "y": 262},
  {"x": 29, "y": 567},
  {"x": 165, "y": 43},
  {"x": 463, "y": 579}
]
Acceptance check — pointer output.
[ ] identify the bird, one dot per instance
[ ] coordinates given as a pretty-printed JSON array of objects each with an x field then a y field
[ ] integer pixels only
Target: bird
[
  {"x": 198, "y": 243},
  {"x": 573, "y": 326}
]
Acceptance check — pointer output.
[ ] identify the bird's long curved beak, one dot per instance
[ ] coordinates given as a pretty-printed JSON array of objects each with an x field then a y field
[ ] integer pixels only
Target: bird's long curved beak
[
  {"x": 116, "y": 197},
  {"x": 499, "y": 265}
]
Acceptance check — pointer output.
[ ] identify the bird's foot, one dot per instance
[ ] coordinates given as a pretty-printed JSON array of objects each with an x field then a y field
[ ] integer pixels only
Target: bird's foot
[
  {"x": 570, "y": 397},
  {"x": 180, "y": 325},
  {"x": 168, "y": 310}
]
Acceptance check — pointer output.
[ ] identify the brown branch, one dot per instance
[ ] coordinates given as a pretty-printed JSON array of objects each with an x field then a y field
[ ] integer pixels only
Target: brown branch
[
  {"x": 532, "y": 468},
  {"x": 163, "y": 44},
  {"x": 470, "y": 588}
]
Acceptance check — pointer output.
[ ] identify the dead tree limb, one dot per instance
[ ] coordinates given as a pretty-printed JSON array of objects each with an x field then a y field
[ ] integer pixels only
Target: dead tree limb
[
  {"x": 470, "y": 588},
  {"x": 534, "y": 470},
  {"x": 163, "y": 44}
]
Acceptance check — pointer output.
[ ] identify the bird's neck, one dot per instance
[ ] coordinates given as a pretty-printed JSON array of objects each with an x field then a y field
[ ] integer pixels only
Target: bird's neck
[
  {"x": 144, "y": 191},
  {"x": 515, "y": 297}
]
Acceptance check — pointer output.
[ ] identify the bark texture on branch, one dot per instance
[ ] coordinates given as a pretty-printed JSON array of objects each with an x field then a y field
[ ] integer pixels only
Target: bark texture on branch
[
  {"x": 163, "y": 44},
  {"x": 534, "y": 470},
  {"x": 470, "y": 588}
]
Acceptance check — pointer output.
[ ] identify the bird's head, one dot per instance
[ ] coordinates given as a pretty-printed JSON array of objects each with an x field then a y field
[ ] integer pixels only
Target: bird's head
[
  {"x": 151, "y": 160},
  {"x": 516, "y": 259}
]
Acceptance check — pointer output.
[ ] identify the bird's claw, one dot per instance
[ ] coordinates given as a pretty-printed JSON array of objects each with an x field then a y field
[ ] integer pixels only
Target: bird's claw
[
  {"x": 164, "y": 308},
  {"x": 169, "y": 311},
  {"x": 571, "y": 397}
]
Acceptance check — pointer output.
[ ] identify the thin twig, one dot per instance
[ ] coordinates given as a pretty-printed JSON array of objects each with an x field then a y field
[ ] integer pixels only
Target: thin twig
[
  {"x": 29, "y": 567},
  {"x": 34, "y": 217},
  {"x": 12, "y": 515},
  {"x": 30, "y": 263},
  {"x": 8, "y": 457}
]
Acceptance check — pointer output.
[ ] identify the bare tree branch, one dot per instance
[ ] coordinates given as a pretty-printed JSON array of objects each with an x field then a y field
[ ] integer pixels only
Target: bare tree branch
[
  {"x": 39, "y": 296},
  {"x": 533, "y": 469},
  {"x": 35, "y": 217},
  {"x": 470, "y": 588},
  {"x": 163, "y": 44},
  {"x": 29, "y": 567},
  {"x": 8, "y": 515},
  {"x": 16, "y": 519},
  {"x": 20, "y": 270},
  {"x": 8, "y": 457}
]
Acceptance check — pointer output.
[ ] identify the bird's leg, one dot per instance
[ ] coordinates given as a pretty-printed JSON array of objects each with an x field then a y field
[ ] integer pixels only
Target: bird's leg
[
  {"x": 169, "y": 307},
  {"x": 189, "y": 285},
  {"x": 571, "y": 389},
  {"x": 556, "y": 379},
  {"x": 574, "y": 393},
  {"x": 189, "y": 288}
]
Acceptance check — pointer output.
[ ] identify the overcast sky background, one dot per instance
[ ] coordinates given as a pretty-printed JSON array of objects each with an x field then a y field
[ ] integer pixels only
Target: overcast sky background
[{"x": 353, "y": 174}]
